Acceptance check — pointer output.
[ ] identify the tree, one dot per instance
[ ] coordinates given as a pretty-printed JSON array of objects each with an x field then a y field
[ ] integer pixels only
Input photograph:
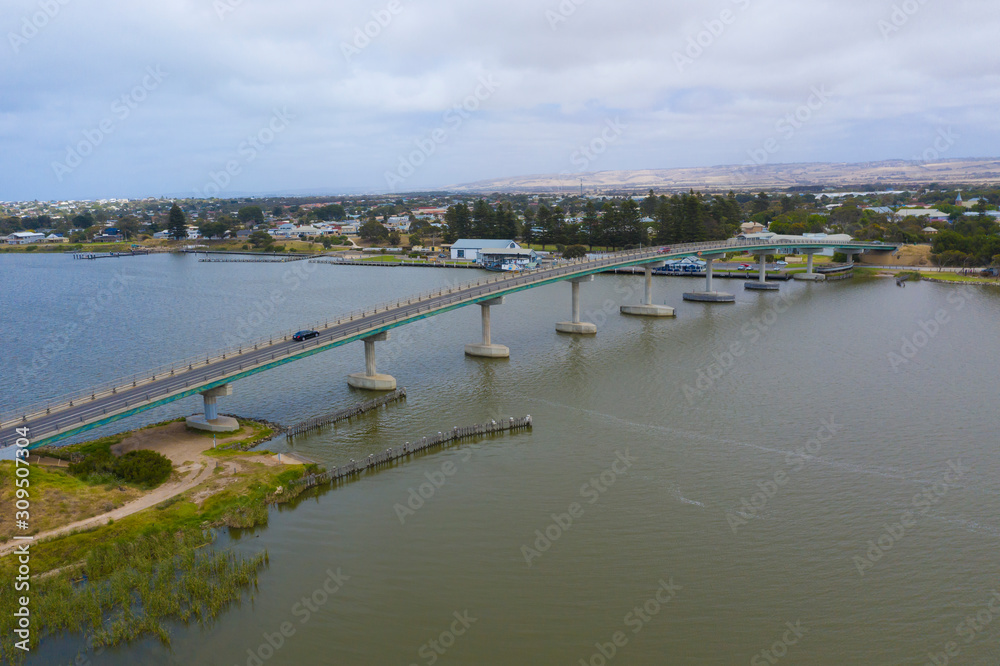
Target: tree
[
  {"x": 761, "y": 203},
  {"x": 277, "y": 211},
  {"x": 631, "y": 223},
  {"x": 129, "y": 226},
  {"x": 177, "y": 223},
  {"x": 506, "y": 222},
  {"x": 546, "y": 226},
  {"x": 144, "y": 467},
  {"x": 575, "y": 252},
  {"x": 457, "y": 219},
  {"x": 373, "y": 231},
  {"x": 212, "y": 229},
  {"x": 260, "y": 239},
  {"x": 251, "y": 215},
  {"x": 665, "y": 231},
  {"x": 590, "y": 227},
  {"x": 482, "y": 220},
  {"x": 649, "y": 204},
  {"x": 330, "y": 212},
  {"x": 394, "y": 238}
]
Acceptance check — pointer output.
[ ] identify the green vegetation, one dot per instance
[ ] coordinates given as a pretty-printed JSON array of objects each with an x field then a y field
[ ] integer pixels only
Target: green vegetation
[
  {"x": 146, "y": 568},
  {"x": 970, "y": 242},
  {"x": 177, "y": 223},
  {"x": 147, "y": 468},
  {"x": 131, "y": 586}
]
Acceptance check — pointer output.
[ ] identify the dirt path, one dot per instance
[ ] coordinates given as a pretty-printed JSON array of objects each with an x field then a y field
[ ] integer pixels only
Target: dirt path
[
  {"x": 185, "y": 450},
  {"x": 199, "y": 473}
]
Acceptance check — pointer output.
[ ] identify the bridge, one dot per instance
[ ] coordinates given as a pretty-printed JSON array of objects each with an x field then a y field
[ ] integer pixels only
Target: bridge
[{"x": 210, "y": 375}]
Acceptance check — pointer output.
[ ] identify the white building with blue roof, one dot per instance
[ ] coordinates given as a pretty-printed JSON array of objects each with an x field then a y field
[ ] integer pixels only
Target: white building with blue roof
[{"x": 469, "y": 248}]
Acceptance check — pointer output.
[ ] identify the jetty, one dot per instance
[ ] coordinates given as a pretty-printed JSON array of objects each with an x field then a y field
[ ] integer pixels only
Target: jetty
[
  {"x": 347, "y": 413},
  {"x": 391, "y": 455}
]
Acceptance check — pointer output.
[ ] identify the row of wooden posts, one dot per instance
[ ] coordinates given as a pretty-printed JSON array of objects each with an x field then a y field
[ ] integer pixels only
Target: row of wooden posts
[
  {"x": 349, "y": 412},
  {"x": 392, "y": 454}
]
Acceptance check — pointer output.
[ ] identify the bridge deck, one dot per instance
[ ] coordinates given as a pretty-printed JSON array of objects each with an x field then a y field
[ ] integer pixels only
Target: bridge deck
[{"x": 100, "y": 405}]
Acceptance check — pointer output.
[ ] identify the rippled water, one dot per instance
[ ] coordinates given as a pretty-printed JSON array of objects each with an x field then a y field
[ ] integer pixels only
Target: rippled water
[{"x": 813, "y": 370}]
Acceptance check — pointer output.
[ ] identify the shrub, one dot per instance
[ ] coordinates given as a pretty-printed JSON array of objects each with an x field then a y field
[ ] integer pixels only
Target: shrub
[
  {"x": 97, "y": 463},
  {"x": 144, "y": 467}
]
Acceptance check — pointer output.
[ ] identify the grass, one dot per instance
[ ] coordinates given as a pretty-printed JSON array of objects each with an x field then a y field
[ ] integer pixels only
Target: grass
[
  {"x": 130, "y": 586},
  {"x": 58, "y": 498},
  {"x": 943, "y": 276}
]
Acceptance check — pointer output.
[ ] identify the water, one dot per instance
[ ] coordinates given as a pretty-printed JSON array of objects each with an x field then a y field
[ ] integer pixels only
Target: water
[{"x": 682, "y": 513}]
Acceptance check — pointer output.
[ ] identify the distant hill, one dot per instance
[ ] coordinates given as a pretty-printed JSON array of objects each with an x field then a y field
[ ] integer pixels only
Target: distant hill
[{"x": 880, "y": 175}]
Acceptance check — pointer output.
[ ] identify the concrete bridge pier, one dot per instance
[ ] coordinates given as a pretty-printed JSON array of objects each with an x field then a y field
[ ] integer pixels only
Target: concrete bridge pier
[
  {"x": 210, "y": 420},
  {"x": 577, "y": 326},
  {"x": 709, "y": 296},
  {"x": 762, "y": 284},
  {"x": 370, "y": 379},
  {"x": 488, "y": 349},
  {"x": 647, "y": 309},
  {"x": 809, "y": 274}
]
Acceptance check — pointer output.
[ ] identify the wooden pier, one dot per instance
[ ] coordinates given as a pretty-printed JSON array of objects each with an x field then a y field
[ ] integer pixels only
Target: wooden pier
[
  {"x": 393, "y": 264},
  {"x": 109, "y": 255},
  {"x": 343, "y": 414},
  {"x": 251, "y": 260},
  {"x": 393, "y": 454}
]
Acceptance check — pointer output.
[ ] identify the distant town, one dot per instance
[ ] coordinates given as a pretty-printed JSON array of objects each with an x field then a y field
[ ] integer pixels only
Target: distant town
[{"x": 959, "y": 224}]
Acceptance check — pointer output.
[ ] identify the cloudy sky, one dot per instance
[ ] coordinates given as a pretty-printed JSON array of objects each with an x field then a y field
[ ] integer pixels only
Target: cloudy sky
[{"x": 227, "y": 97}]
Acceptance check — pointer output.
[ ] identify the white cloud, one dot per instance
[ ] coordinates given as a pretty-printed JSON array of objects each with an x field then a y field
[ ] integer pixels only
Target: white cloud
[{"x": 355, "y": 116}]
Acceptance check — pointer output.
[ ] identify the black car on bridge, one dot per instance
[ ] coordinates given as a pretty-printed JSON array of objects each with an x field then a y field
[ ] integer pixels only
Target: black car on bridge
[{"x": 305, "y": 335}]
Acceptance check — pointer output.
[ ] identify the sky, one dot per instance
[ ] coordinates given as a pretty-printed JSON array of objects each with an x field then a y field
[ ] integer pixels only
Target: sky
[{"x": 191, "y": 98}]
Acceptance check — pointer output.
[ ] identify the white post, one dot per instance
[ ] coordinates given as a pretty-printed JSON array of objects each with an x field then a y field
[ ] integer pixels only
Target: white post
[
  {"x": 809, "y": 263},
  {"x": 649, "y": 284},
  {"x": 763, "y": 268},
  {"x": 708, "y": 274}
]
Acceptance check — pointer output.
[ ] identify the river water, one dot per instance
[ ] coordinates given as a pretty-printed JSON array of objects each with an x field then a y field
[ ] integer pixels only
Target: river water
[{"x": 803, "y": 477}]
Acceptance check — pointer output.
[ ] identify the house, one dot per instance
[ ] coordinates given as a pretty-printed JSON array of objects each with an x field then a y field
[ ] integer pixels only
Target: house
[
  {"x": 399, "y": 223},
  {"x": 24, "y": 238},
  {"x": 109, "y": 236},
  {"x": 751, "y": 227},
  {"x": 507, "y": 259},
  {"x": 469, "y": 248},
  {"x": 932, "y": 213},
  {"x": 56, "y": 238},
  {"x": 159, "y": 235},
  {"x": 930, "y": 231}
]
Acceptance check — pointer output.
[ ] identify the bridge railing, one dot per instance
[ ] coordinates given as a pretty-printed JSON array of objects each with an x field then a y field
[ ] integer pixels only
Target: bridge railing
[{"x": 367, "y": 317}]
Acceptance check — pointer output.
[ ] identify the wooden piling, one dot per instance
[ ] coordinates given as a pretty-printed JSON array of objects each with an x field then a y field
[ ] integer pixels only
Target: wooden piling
[{"x": 390, "y": 455}]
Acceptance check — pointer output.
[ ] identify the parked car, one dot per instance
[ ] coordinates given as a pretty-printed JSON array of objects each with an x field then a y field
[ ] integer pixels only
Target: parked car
[
  {"x": 305, "y": 335},
  {"x": 781, "y": 263}
]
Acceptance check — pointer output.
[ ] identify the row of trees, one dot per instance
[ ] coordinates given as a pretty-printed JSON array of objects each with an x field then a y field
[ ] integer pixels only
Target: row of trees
[
  {"x": 971, "y": 241},
  {"x": 620, "y": 222}
]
